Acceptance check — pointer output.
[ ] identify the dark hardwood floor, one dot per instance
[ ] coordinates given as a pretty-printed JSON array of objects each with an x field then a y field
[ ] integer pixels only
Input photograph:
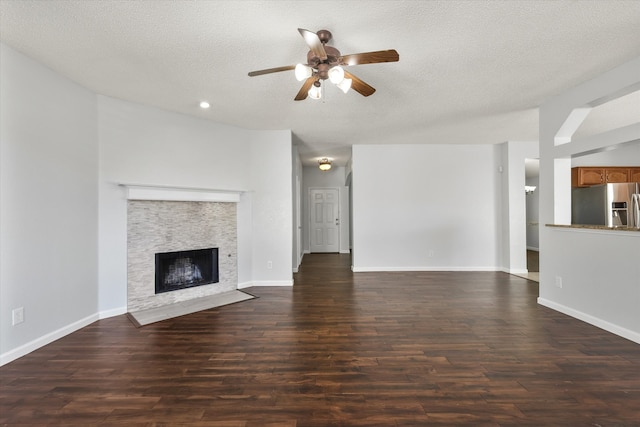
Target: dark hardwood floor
[
  {"x": 533, "y": 261},
  {"x": 368, "y": 349}
]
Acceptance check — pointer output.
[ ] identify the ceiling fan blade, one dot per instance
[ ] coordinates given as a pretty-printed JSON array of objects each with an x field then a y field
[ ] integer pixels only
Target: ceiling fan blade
[
  {"x": 304, "y": 90},
  {"x": 358, "y": 85},
  {"x": 314, "y": 43},
  {"x": 272, "y": 70},
  {"x": 370, "y": 57}
]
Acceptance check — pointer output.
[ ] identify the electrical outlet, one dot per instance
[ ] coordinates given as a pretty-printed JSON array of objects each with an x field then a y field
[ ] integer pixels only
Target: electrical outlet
[
  {"x": 559, "y": 282},
  {"x": 269, "y": 265},
  {"x": 17, "y": 316},
  {"x": 431, "y": 253}
]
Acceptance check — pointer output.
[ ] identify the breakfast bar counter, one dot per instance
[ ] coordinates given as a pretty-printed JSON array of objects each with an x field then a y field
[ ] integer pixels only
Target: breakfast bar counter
[{"x": 593, "y": 227}]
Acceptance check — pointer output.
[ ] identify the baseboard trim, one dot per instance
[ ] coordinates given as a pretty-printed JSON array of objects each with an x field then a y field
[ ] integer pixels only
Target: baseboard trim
[
  {"x": 295, "y": 269},
  {"x": 245, "y": 285},
  {"x": 515, "y": 271},
  {"x": 345, "y": 251},
  {"x": 592, "y": 320},
  {"x": 112, "y": 313},
  {"x": 265, "y": 283},
  {"x": 421, "y": 268},
  {"x": 27, "y": 348}
]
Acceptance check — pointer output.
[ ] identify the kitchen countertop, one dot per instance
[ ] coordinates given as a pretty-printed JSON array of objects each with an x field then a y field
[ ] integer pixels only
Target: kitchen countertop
[{"x": 593, "y": 227}]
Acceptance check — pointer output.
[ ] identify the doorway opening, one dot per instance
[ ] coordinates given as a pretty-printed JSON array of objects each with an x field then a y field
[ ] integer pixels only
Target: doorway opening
[{"x": 532, "y": 202}]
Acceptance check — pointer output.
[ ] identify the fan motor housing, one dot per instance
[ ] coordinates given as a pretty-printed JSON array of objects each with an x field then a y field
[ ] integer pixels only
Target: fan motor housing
[
  {"x": 323, "y": 71},
  {"x": 323, "y": 66}
]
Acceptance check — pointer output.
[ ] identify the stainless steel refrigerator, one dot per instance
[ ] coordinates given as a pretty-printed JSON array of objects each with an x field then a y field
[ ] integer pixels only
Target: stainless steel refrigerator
[{"x": 612, "y": 205}]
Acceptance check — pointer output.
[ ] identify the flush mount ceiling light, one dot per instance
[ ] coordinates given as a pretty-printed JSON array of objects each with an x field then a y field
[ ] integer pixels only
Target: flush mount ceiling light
[
  {"x": 324, "y": 164},
  {"x": 204, "y": 105},
  {"x": 326, "y": 63}
]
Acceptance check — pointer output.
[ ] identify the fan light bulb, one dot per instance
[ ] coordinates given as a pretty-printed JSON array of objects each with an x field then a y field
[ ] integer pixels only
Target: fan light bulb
[
  {"x": 315, "y": 92},
  {"x": 345, "y": 85},
  {"x": 303, "y": 72},
  {"x": 336, "y": 74}
]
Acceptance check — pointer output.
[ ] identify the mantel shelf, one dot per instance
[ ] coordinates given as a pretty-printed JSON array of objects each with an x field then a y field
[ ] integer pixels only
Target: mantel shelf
[{"x": 180, "y": 194}]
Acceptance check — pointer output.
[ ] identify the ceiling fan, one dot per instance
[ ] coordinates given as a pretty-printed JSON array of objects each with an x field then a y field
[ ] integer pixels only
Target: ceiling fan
[{"x": 325, "y": 62}]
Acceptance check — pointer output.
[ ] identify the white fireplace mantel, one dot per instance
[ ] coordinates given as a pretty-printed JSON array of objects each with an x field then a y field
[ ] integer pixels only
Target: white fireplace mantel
[{"x": 180, "y": 194}]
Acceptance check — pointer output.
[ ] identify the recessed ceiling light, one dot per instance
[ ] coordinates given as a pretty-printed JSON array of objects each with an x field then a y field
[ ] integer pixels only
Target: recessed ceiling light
[{"x": 204, "y": 104}]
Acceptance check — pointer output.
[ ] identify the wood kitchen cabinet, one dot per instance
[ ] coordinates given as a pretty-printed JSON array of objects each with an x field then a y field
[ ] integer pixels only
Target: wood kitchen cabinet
[
  {"x": 616, "y": 175},
  {"x": 585, "y": 176}
]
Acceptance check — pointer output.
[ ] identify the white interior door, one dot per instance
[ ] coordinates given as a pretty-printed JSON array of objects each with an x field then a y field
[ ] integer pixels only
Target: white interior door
[{"x": 325, "y": 220}]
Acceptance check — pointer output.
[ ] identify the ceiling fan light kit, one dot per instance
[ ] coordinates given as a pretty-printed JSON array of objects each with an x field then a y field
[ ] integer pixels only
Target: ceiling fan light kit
[
  {"x": 303, "y": 72},
  {"x": 336, "y": 74},
  {"x": 326, "y": 63},
  {"x": 345, "y": 85},
  {"x": 315, "y": 92}
]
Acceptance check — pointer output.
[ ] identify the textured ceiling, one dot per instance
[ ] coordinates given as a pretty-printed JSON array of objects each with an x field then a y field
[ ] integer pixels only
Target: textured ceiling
[{"x": 469, "y": 71}]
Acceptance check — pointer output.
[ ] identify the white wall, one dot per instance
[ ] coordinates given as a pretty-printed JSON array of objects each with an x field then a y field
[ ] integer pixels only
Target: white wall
[
  {"x": 63, "y": 152},
  {"x": 48, "y": 205},
  {"x": 599, "y": 270},
  {"x": 431, "y": 207},
  {"x": 335, "y": 177},
  {"x": 143, "y": 145},
  {"x": 625, "y": 155},
  {"x": 600, "y": 274},
  {"x": 272, "y": 201}
]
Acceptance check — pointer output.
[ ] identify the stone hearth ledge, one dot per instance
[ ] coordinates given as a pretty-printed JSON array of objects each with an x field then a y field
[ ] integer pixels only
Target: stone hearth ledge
[{"x": 180, "y": 194}]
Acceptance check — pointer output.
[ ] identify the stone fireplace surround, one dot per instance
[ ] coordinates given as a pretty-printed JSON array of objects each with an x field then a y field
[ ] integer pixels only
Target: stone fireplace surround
[{"x": 163, "y": 219}]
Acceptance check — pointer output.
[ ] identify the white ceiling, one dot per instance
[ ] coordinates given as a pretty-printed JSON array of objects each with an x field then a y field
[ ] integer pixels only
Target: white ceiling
[{"x": 469, "y": 71}]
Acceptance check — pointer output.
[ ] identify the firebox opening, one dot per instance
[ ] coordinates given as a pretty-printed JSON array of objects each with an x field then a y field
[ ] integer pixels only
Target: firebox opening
[{"x": 186, "y": 269}]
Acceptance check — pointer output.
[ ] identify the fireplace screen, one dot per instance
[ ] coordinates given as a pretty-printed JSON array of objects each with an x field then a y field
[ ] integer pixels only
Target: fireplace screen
[{"x": 186, "y": 269}]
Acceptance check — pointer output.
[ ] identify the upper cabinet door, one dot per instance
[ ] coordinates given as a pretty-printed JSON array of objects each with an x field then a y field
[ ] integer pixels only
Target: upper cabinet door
[
  {"x": 584, "y": 177},
  {"x": 617, "y": 175}
]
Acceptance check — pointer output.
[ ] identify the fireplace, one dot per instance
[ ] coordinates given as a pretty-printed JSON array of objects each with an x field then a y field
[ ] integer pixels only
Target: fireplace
[
  {"x": 186, "y": 269},
  {"x": 165, "y": 226}
]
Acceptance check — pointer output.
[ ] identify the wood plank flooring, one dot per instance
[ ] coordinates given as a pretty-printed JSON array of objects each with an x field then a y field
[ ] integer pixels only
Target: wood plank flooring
[
  {"x": 533, "y": 261},
  {"x": 338, "y": 349}
]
